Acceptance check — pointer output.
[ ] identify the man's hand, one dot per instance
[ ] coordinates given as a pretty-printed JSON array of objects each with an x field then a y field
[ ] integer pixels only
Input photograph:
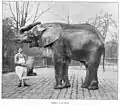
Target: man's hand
[
  {"x": 23, "y": 64},
  {"x": 17, "y": 64}
]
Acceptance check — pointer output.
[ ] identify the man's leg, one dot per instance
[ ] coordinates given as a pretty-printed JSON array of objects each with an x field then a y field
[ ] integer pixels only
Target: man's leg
[
  {"x": 18, "y": 71},
  {"x": 24, "y": 75}
]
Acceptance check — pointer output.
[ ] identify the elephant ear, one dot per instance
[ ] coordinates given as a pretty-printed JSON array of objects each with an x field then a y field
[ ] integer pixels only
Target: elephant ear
[{"x": 50, "y": 35}]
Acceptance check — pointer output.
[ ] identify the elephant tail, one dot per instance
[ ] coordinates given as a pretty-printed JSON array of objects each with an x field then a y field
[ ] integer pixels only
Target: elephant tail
[{"x": 103, "y": 59}]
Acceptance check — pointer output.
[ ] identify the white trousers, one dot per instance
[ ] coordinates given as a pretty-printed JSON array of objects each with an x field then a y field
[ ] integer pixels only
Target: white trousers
[{"x": 21, "y": 72}]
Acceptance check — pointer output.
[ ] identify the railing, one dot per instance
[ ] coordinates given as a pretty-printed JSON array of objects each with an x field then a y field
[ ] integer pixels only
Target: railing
[{"x": 111, "y": 64}]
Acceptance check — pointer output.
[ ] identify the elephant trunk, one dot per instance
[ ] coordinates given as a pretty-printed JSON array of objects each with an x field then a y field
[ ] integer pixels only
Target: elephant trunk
[{"x": 26, "y": 28}]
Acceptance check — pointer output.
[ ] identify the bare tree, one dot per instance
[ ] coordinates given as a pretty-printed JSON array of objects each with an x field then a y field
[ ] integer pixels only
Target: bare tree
[
  {"x": 22, "y": 13},
  {"x": 102, "y": 23}
]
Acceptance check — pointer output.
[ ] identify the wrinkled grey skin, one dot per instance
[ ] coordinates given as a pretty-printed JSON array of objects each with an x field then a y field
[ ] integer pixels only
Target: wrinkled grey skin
[{"x": 80, "y": 42}]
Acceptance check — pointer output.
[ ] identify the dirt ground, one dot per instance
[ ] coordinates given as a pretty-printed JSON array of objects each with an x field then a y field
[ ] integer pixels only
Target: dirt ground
[{"x": 41, "y": 86}]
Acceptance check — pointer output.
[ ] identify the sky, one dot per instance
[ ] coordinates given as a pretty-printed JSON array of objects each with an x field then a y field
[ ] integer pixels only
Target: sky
[
  {"x": 82, "y": 11},
  {"x": 78, "y": 11}
]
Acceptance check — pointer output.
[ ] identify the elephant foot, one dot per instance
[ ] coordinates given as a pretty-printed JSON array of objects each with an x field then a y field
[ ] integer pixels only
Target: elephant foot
[
  {"x": 66, "y": 82},
  {"x": 58, "y": 82},
  {"x": 67, "y": 85},
  {"x": 62, "y": 86},
  {"x": 84, "y": 85},
  {"x": 93, "y": 85},
  {"x": 58, "y": 86}
]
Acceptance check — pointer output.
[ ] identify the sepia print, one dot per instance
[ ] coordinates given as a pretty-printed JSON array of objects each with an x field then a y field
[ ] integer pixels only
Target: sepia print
[{"x": 60, "y": 50}]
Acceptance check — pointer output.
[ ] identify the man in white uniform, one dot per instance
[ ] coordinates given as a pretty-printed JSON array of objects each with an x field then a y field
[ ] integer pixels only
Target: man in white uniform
[{"x": 21, "y": 67}]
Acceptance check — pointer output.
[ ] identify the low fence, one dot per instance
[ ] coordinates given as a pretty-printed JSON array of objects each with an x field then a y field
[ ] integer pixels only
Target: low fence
[
  {"x": 111, "y": 64},
  {"x": 8, "y": 64}
]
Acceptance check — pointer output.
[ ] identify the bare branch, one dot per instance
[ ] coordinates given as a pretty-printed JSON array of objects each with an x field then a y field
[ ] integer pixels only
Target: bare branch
[
  {"x": 30, "y": 8},
  {"x": 22, "y": 15},
  {"x": 100, "y": 24},
  {"x": 29, "y": 18},
  {"x": 18, "y": 14},
  {"x": 114, "y": 23},
  {"x": 36, "y": 12},
  {"x": 105, "y": 29},
  {"x": 42, "y": 13},
  {"x": 26, "y": 13},
  {"x": 12, "y": 12}
]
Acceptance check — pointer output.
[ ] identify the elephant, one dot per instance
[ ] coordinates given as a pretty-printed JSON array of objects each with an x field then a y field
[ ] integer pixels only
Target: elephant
[{"x": 80, "y": 42}]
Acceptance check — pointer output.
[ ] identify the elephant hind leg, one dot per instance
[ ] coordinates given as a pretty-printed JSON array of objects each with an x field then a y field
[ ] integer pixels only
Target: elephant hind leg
[
  {"x": 94, "y": 81},
  {"x": 87, "y": 78},
  {"x": 91, "y": 80},
  {"x": 93, "y": 68},
  {"x": 93, "y": 85}
]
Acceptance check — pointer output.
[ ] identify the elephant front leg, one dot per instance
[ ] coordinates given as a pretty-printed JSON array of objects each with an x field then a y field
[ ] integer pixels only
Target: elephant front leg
[
  {"x": 58, "y": 74},
  {"x": 65, "y": 75}
]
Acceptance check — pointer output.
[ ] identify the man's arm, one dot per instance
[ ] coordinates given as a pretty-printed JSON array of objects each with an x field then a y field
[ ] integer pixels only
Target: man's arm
[{"x": 16, "y": 59}]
